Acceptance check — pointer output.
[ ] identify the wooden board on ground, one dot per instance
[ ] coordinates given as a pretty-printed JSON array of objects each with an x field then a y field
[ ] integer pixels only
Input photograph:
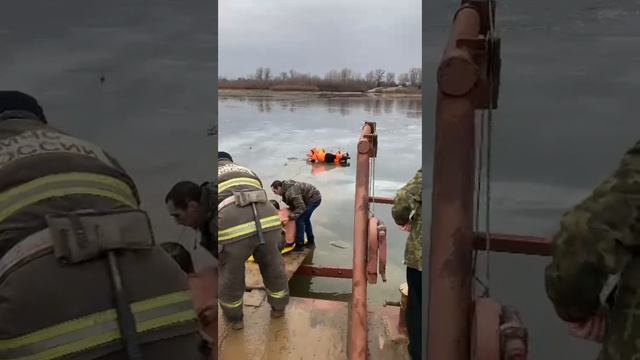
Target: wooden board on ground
[{"x": 292, "y": 262}]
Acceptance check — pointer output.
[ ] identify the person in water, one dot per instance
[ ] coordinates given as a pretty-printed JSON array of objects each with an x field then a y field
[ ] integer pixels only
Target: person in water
[{"x": 322, "y": 156}]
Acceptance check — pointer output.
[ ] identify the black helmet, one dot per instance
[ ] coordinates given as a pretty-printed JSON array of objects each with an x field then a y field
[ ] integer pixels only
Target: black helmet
[
  {"x": 16, "y": 100},
  {"x": 224, "y": 156}
]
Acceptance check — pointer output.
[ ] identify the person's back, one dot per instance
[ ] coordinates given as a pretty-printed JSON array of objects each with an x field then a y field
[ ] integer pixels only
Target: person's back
[
  {"x": 37, "y": 158},
  {"x": 249, "y": 225},
  {"x": 234, "y": 178},
  {"x": 303, "y": 199},
  {"x": 53, "y": 184},
  {"x": 597, "y": 241},
  {"x": 297, "y": 189}
]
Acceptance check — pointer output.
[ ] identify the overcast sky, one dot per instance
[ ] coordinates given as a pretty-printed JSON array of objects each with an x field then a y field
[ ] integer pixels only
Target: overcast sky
[{"x": 315, "y": 36}]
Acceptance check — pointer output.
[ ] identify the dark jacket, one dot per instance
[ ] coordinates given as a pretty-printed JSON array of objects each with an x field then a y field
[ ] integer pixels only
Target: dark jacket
[
  {"x": 44, "y": 171},
  {"x": 208, "y": 230},
  {"x": 39, "y": 159}
]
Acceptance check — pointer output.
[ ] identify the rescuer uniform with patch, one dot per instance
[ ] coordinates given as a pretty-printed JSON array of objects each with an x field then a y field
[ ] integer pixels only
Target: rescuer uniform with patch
[{"x": 79, "y": 270}]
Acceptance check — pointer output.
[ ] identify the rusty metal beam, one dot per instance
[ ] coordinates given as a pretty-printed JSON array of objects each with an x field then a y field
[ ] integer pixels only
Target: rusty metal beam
[
  {"x": 452, "y": 236},
  {"x": 358, "y": 325},
  {"x": 514, "y": 244},
  {"x": 381, "y": 200},
  {"x": 340, "y": 273}
]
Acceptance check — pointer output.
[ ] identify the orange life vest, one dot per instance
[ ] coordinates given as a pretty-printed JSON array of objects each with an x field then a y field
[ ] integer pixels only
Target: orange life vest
[{"x": 316, "y": 154}]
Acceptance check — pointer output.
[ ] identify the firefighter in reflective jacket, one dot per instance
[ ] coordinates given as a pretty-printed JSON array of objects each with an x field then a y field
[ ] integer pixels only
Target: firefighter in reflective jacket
[
  {"x": 80, "y": 274},
  {"x": 248, "y": 225}
]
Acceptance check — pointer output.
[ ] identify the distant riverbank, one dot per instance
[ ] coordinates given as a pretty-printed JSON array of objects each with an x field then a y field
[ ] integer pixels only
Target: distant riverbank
[{"x": 288, "y": 94}]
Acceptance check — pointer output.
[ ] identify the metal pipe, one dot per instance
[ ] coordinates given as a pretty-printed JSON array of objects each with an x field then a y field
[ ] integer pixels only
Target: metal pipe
[
  {"x": 381, "y": 200},
  {"x": 358, "y": 325},
  {"x": 514, "y": 244},
  {"x": 458, "y": 73},
  {"x": 452, "y": 203}
]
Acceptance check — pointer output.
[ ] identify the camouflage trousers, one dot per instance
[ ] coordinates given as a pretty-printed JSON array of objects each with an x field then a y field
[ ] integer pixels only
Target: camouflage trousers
[{"x": 231, "y": 267}]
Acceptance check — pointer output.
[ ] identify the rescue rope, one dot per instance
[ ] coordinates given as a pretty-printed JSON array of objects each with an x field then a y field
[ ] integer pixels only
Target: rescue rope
[
  {"x": 372, "y": 185},
  {"x": 298, "y": 170},
  {"x": 484, "y": 162},
  {"x": 489, "y": 122},
  {"x": 487, "y": 216},
  {"x": 478, "y": 200}
]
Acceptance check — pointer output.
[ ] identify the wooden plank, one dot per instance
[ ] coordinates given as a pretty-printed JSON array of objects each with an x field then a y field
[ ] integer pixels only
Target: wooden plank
[{"x": 292, "y": 261}]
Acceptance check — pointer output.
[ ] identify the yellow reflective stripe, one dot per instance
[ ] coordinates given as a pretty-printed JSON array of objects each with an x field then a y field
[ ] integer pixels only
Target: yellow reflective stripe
[
  {"x": 248, "y": 228},
  {"x": 92, "y": 320},
  {"x": 265, "y": 220},
  {"x": 94, "y": 341},
  {"x": 237, "y": 182},
  {"x": 86, "y": 343},
  {"x": 232, "y": 305},
  {"x": 277, "y": 294},
  {"x": 15, "y": 199},
  {"x": 56, "y": 330},
  {"x": 166, "y": 320},
  {"x": 66, "y": 177},
  {"x": 159, "y": 301}
]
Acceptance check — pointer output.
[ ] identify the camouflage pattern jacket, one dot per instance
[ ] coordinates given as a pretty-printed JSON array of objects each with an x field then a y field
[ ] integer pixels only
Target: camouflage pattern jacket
[
  {"x": 597, "y": 240},
  {"x": 297, "y": 195},
  {"x": 407, "y": 207}
]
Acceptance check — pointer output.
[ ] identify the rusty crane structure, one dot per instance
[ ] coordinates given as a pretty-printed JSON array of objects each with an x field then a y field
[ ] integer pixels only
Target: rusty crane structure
[{"x": 462, "y": 325}]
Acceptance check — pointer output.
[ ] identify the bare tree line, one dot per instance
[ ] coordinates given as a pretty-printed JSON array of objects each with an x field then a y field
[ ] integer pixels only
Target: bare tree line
[{"x": 335, "y": 80}]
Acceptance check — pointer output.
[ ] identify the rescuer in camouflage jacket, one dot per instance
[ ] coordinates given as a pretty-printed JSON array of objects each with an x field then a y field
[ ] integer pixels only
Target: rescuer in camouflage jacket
[
  {"x": 303, "y": 199},
  {"x": 597, "y": 241},
  {"x": 408, "y": 200},
  {"x": 407, "y": 212}
]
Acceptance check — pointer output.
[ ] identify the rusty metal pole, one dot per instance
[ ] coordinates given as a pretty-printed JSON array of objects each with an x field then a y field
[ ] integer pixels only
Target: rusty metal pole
[
  {"x": 358, "y": 325},
  {"x": 453, "y": 190}
]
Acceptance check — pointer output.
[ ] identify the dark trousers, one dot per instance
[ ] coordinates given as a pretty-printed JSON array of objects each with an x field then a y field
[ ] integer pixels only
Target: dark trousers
[
  {"x": 303, "y": 225},
  {"x": 414, "y": 313}
]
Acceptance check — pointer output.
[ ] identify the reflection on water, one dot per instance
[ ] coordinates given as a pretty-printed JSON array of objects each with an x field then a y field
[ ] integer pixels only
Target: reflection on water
[
  {"x": 302, "y": 285},
  {"x": 409, "y": 107},
  {"x": 266, "y": 135},
  {"x": 320, "y": 168}
]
